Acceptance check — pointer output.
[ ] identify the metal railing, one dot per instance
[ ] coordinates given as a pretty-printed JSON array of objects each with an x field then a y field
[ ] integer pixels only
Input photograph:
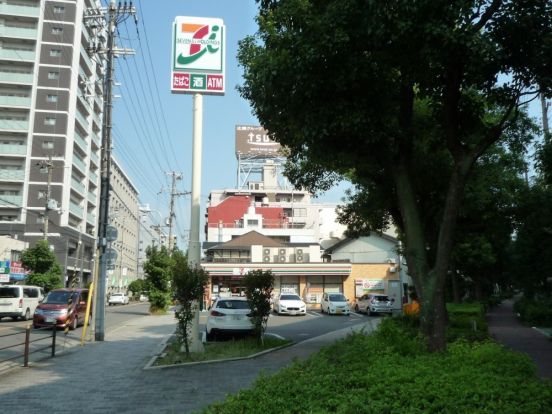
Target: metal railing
[{"x": 26, "y": 344}]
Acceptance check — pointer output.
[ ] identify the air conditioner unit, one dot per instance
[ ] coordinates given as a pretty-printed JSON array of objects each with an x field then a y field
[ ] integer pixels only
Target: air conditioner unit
[
  {"x": 299, "y": 258},
  {"x": 266, "y": 258},
  {"x": 282, "y": 258},
  {"x": 392, "y": 269},
  {"x": 282, "y": 252},
  {"x": 266, "y": 251},
  {"x": 299, "y": 251}
]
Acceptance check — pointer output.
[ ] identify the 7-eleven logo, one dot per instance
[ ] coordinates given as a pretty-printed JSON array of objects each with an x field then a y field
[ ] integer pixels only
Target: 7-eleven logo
[{"x": 198, "y": 45}]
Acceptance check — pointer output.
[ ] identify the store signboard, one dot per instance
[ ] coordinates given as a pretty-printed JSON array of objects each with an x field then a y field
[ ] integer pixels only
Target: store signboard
[
  {"x": 198, "y": 55},
  {"x": 363, "y": 286}
]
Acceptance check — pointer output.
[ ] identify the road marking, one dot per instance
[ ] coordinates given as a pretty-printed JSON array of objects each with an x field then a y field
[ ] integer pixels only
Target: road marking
[
  {"x": 357, "y": 314},
  {"x": 275, "y": 335},
  {"x": 316, "y": 314}
]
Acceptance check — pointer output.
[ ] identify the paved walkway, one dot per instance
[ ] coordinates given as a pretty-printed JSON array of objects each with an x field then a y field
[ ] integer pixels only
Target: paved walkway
[
  {"x": 108, "y": 376},
  {"x": 505, "y": 327}
]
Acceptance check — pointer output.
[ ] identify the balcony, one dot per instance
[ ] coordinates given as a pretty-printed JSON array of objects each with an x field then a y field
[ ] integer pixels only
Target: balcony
[
  {"x": 91, "y": 218},
  {"x": 17, "y": 55},
  {"x": 19, "y": 125},
  {"x": 81, "y": 142},
  {"x": 77, "y": 185},
  {"x": 81, "y": 119},
  {"x": 93, "y": 177},
  {"x": 89, "y": 65},
  {"x": 75, "y": 209},
  {"x": 12, "y": 175},
  {"x": 16, "y": 77},
  {"x": 18, "y": 32},
  {"x": 13, "y": 149},
  {"x": 79, "y": 163},
  {"x": 98, "y": 102},
  {"x": 97, "y": 120},
  {"x": 92, "y": 198},
  {"x": 84, "y": 103},
  {"x": 95, "y": 139},
  {"x": 11, "y": 200},
  {"x": 95, "y": 159},
  {"x": 19, "y": 10},
  {"x": 21, "y": 101}
]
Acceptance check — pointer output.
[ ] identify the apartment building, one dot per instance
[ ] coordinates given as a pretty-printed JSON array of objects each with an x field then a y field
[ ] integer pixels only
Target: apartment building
[
  {"x": 125, "y": 217},
  {"x": 50, "y": 128}
]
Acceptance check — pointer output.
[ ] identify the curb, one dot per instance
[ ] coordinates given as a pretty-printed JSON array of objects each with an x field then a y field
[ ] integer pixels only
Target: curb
[{"x": 337, "y": 334}]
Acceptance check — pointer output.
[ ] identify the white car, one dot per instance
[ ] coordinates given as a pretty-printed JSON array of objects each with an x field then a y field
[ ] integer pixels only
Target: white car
[
  {"x": 289, "y": 304},
  {"x": 374, "y": 303},
  {"x": 335, "y": 304},
  {"x": 118, "y": 299},
  {"x": 228, "y": 316}
]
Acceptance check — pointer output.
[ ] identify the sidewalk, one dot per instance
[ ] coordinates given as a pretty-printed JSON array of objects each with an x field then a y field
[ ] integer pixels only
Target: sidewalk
[
  {"x": 108, "y": 377},
  {"x": 505, "y": 327}
]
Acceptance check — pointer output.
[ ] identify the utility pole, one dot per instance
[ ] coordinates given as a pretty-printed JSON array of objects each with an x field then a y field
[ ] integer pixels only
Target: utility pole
[
  {"x": 47, "y": 167},
  {"x": 115, "y": 15},
  {"x": 175, "y": 176}
]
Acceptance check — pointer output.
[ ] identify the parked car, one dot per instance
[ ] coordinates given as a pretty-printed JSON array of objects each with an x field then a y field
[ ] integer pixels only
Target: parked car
[
  {"x": 19, "y": 301},
  {"x": 61, "y": 308},
  {"x": 289, "y": 304},
  {"x": 143, "y": 298},
  {"x": 371, "y": 303},
  {"x": 118, "y": 299},
  {"x": 228, "y": 316},
  {"x": 335, "y": 304}
]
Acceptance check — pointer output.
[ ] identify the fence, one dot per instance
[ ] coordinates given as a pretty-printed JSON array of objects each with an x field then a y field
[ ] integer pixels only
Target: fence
[{"x": 27, "y": 345}]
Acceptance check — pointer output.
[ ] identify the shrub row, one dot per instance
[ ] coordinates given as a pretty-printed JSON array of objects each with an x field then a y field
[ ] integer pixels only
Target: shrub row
[
  {"x": 390, "y": 372},
  {"x": 535, "y": 311}
]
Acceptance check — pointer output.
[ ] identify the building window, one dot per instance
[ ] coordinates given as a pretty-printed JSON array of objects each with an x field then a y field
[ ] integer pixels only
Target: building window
[
  {"x": 59, "y": 9},
  {"x": 47, "y": 144},
  {"x": 55, "y": 52},
  {"x": 53, "y": 75},
  {"x": 49, "y": 121},
  {"x": 252, "y": 223},
  {"x": 51, "y": 98},
  {"x": 57, "y": 30}
]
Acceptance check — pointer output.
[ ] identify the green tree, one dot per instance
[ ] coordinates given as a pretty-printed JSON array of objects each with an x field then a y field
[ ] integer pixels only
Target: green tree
[
  {"x": 389, "y": 93},
  {"x": 158, "y": 271},
  {"x": 189, "y": 286},
  {"x": 137, "y": 287},
  {"x": 44, "y": 269},
  {"x": 258, "y": 290}
]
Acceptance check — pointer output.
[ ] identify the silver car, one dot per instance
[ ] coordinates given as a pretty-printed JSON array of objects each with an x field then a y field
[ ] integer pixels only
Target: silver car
[{"x": 372, "y": 303}]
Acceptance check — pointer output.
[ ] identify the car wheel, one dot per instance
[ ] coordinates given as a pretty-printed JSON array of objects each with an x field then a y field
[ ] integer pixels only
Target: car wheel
[
  {"x": 209, "y": 336},
  {"x": 74, "y": 323}
]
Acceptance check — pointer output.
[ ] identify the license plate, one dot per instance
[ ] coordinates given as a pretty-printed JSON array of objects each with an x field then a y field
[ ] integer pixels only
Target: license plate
[
  {"x": 338, "y": 311},
  {"x": 292, "y": 312},
  {"x": 237, "y": 317},
  {"x": 50, "y": 320}
]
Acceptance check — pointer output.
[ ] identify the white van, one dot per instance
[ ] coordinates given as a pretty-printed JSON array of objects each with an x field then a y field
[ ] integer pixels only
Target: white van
[{"x": 19, "y": 301}]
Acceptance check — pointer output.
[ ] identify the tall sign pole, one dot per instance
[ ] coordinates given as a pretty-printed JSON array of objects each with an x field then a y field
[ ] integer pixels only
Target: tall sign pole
[{"x": 197, "y": 68}]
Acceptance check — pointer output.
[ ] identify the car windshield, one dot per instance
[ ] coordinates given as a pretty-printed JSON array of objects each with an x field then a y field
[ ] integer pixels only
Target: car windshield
[
  {"x": 232, "y": 304},
  {"x": 381, "y": 298},
  {"x": 290, "y": 297},
  {"x": 57, "y": 298},
  {"x": 337, "y": 298},
  {"x": 9, "y": 292},
  {"x": 116, "y": 294}
]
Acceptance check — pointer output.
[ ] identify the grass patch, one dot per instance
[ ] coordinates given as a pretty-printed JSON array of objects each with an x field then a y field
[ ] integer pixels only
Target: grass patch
[{"x": 233, "y": 348}]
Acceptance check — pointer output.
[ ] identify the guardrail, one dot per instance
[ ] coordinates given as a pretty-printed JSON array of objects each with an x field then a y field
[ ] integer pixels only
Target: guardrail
[{"x": 26, "y": 344}]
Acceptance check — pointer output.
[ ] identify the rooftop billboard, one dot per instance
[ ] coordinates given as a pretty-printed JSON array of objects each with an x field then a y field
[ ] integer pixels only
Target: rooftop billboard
[{"x": 254, "y": 140}]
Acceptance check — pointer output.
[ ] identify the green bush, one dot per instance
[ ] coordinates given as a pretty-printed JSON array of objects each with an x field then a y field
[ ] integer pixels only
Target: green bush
[
  {"x": 535, "y": 311},
  {"x": 159, "y": 301},
  {"x": 390, "y": 372}
]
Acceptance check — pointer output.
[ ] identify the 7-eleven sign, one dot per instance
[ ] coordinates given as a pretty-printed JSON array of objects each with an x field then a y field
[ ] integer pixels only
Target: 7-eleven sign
[{"x": 198, "y": 56}]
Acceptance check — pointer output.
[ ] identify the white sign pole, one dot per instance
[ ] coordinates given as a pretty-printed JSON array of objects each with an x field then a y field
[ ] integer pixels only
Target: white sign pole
[{"x": 194, "y": 251}]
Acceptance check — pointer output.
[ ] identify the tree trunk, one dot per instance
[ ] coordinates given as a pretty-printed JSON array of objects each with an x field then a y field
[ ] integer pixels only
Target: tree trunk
[{"x": 433, "y": 314}]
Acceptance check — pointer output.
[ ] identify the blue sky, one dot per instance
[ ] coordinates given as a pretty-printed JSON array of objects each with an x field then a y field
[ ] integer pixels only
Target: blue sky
[{"x": 152, "y": 132}]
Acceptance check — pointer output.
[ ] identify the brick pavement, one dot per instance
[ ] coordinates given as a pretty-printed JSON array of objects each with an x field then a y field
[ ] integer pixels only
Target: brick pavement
[{"x": 108, "y": 376}]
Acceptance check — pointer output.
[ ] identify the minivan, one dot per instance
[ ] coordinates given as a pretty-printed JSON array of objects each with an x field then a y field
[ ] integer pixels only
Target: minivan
[
  {"x": 19, "y": 301},
  {"x": 55, "y": 309}
]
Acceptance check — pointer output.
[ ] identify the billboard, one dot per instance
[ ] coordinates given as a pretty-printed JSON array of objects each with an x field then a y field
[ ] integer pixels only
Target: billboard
[
  {"x": 198, "y": 55},
  {"x": 254, "y": 140}
]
